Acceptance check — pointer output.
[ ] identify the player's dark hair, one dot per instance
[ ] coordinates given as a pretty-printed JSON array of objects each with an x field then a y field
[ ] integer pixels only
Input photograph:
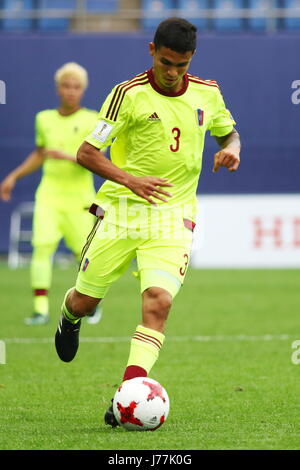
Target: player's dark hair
[{"x": 177, "y": 34}]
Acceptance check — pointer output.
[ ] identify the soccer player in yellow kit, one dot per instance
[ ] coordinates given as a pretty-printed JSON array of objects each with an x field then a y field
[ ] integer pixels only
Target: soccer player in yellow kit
[
  {"x": 66, "y": 189},
  {"x": 156, "y": 124}
]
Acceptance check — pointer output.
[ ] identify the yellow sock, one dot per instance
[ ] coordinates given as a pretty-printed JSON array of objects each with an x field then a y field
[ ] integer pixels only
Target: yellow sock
[
  {"x": 144, "y": 351},
  {"x": 68, "y": 316},
  {"x": 41, "y": 301}
]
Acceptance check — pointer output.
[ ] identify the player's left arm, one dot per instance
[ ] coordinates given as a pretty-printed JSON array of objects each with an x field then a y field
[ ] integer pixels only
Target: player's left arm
[{"x": 229, "y": 155}]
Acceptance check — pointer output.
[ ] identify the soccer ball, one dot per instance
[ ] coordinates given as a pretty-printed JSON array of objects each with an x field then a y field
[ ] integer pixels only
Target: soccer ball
[{"x": 141, "y": 404}]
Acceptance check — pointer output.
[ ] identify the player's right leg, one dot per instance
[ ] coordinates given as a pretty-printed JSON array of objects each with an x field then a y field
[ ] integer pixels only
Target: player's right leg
[
  {"x": 106, "y": 258},
  {"x": 74, "y": 307},
  {"x": 78, "y": 226}
]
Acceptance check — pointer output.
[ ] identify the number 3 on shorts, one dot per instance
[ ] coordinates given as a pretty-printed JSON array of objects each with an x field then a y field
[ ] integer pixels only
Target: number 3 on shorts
[{"x": 183, "y": 268}]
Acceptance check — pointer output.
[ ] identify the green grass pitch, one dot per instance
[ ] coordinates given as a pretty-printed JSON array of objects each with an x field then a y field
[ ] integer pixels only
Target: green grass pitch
[{"x": 226, "y": 364}]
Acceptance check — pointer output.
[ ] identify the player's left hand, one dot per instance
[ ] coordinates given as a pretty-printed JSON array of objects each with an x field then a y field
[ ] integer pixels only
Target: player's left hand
[{"x": 228, "y": 157}]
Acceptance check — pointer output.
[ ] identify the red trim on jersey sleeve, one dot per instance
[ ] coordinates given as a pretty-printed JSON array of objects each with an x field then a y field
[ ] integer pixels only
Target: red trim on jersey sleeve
[
  {"x": 194, "y": 79},
  {"x": 120, "y": 91}
]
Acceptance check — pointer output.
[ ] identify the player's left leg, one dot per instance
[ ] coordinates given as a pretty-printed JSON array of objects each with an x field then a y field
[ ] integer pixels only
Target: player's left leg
[
  {"x": 162, "y": 268},
  {"x": 149, "y": 336},
  {"x": 162, "y": 265},
  {"x": 147, "y": 339}
]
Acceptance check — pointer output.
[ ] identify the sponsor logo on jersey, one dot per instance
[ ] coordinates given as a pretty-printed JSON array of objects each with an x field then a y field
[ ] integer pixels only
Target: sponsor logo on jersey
[{"x": 102, "y": 131}]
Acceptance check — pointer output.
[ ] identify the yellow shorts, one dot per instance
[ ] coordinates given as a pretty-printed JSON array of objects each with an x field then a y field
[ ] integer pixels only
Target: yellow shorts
[
  {"x": 162, "y": 260},
  {"x": 53, "y": 221}
]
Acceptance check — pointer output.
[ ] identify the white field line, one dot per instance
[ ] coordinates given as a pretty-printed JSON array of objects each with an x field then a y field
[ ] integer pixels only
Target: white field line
[{"x": 119, "y": 339}]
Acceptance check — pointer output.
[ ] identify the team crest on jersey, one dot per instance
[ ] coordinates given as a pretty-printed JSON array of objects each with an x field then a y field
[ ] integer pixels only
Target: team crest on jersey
[
  {"x": 200, "y": 116},
  {"x": 85, "y": 264}
]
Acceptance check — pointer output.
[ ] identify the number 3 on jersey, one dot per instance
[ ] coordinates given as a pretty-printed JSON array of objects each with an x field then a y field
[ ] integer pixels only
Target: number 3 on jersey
[{"x": 176, "y": 134}]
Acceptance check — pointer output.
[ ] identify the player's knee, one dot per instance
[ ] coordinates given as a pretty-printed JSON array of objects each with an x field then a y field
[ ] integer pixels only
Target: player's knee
[
  {"x": 157, "y": 301},
  {"x": 80, "y": 304}
]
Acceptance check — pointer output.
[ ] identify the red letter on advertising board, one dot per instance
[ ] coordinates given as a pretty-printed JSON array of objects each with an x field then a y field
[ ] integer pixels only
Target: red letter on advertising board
[{"x": 261, "y": 232}]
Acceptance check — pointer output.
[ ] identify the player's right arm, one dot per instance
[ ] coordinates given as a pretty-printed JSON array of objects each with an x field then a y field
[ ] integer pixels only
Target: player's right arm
[
  {"x": 32, "y": 163},
  {"x": 147, "y": 187}
]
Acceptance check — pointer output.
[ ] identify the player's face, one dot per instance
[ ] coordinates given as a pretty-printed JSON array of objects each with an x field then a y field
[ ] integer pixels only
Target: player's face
[
  {"x": 169, "y": 67},
  {"x": 70, "y": 91}
]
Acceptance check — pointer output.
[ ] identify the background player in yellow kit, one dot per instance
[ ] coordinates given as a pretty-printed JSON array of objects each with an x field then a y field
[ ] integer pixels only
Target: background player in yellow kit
[
  {"x": 156, "y": 125},
  {"x": 66, "y": 189}
]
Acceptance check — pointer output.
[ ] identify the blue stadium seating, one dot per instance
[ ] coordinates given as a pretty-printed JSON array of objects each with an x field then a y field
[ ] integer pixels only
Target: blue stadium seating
[
  {"x": 189, "y": 9},
  {"x": 159, "y": 7},
  {"x": 107, "y": 6},
  {"x": 55, "y": 24},
  {"x": 61, "y": 24},
  {"x": 16, "y": 24},
  {"x": 257, "y": 23},
  {"x": 228, "y": 24},
  {"x": 261, "y": 24},
  {"x": 292, "y": 23}
]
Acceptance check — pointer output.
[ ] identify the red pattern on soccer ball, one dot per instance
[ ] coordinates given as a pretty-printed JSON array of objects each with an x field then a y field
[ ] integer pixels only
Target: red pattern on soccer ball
[
  {"x": 127, "y": 413},
  {"x": 156, "y": 390}
]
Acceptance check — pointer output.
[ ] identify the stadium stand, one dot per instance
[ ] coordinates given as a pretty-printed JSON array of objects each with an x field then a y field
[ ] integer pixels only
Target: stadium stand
[
  {"x": 15, "y": 8},
  {"x": 257, "y": 23},
  {"x": 291, "y": 23},
  {"x": 189, "y": 9},
  {"x": 102, "y": 6},
  {"x": 57, "y": 23},
  {"x": 20, "y": 20},
  {"x": 257, "y": 16},
  {"x": 154, "y": 11},
  {"x": 227, "y": 23}
]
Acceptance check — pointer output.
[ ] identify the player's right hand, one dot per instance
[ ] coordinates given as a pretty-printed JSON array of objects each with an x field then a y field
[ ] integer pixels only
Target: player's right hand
[
  {"x": 6, "y": 188},
  {"x": 149, "y": 187}
]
